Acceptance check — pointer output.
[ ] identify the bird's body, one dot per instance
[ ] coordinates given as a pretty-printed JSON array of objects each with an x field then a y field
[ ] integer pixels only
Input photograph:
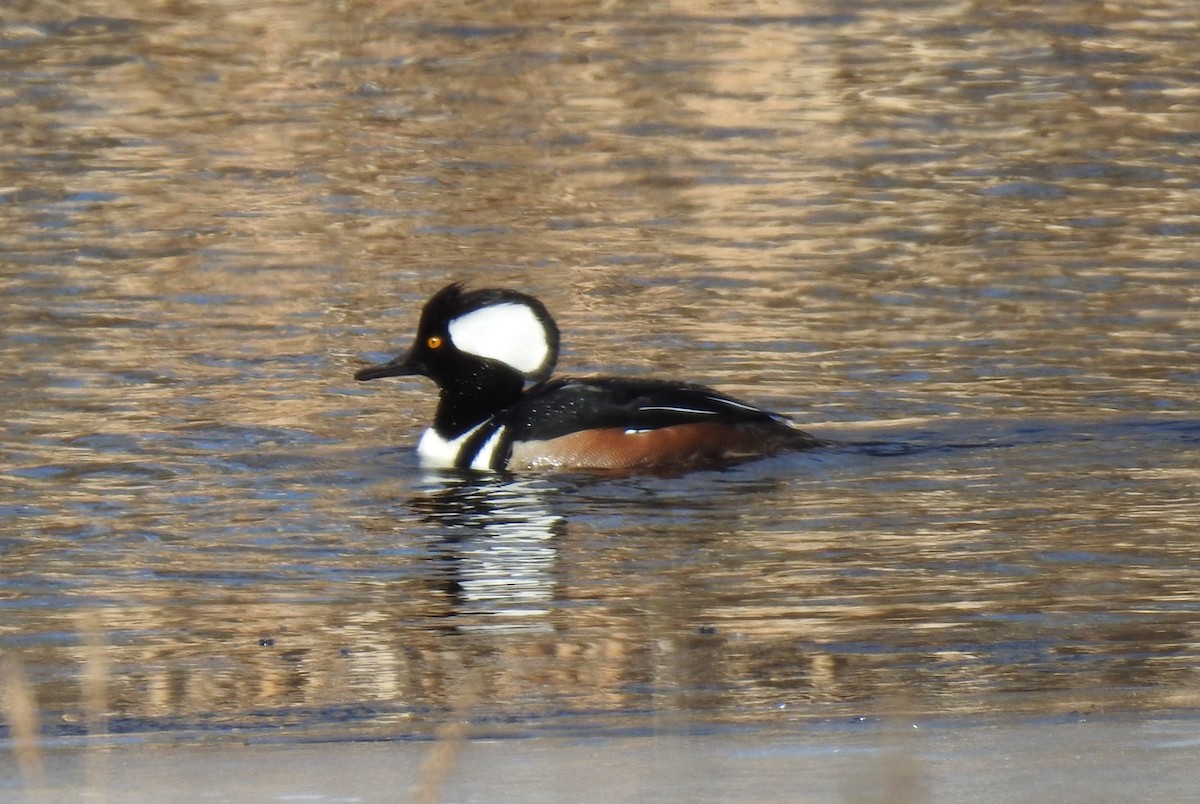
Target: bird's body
[{"x": 492, "y": 351}]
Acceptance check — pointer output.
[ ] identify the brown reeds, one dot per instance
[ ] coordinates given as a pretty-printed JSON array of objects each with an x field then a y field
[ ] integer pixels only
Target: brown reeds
[{"x": 20, "y": 709}]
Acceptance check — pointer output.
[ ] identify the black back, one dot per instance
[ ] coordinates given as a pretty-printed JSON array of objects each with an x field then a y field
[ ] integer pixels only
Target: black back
[{"x": 563, "y": 406}]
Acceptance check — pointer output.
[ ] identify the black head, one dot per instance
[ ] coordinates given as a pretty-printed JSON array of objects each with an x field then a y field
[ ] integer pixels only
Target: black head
[{"x": 475, "y": 337}]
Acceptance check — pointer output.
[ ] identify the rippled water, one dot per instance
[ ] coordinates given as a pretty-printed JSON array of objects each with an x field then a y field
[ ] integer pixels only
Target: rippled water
[{"x": 966, "y": 235}]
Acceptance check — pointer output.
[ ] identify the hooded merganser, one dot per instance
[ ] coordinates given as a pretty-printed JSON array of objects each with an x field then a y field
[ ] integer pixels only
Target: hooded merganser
[{"x": 482, "y": 347}]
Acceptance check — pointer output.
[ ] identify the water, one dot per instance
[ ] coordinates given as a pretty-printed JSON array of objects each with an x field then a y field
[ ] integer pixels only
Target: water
[{"x": 965, "y": 235}]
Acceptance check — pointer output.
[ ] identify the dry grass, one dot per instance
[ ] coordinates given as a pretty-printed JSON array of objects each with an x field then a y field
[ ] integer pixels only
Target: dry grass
[
  {"x": 449, "y": 740},
  {"x": 20, "y": 709},
  {"x": 95, "y": 682}
]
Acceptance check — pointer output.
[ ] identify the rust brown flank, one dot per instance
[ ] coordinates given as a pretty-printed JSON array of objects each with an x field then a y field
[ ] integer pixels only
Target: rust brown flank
[{"x": 615, "y": 448}]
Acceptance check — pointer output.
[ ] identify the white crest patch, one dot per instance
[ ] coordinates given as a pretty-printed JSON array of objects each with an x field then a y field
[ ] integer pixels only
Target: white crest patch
[{"x": 510, "y": 333}]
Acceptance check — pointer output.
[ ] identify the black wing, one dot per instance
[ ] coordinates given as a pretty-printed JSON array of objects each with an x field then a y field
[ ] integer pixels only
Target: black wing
[{"x": 566, "y": 405}]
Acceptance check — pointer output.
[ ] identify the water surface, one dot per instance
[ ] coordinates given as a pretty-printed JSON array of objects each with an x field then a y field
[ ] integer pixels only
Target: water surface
[{"x": 967, "y": 235}]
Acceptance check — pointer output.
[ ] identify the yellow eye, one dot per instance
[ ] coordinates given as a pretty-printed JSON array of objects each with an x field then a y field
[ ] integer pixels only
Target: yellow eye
[{"x": 434, "y": 342}]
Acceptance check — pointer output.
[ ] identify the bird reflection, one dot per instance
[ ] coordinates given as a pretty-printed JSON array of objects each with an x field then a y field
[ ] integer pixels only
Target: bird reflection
[{"x": 496, "y": 538}]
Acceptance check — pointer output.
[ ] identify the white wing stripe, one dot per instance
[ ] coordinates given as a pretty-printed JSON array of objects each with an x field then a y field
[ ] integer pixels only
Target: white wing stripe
[
  {"x": 719, "y": 403},
  {"x": 733, "y": 403},
  {"x": 679, "y": 410}
]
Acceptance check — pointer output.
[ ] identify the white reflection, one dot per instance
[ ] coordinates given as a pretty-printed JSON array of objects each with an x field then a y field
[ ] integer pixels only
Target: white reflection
[{"x": 497, "y": 540}]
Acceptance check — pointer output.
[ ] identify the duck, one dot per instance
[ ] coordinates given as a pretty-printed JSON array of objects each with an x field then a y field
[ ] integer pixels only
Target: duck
[{"x": 492, "y": 353}]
